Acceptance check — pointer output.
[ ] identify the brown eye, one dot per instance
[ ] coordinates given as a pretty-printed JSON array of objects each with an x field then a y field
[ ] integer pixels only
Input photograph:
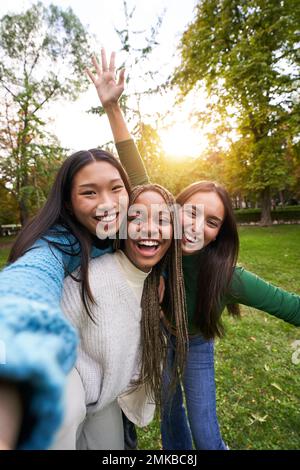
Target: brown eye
[
  {"x": 213, "y": 223},
  {"x": 117, "y": 188},
  {"x": 88, "y": 193},
  {"x": 135, "y": 218},
  {"x": 164, "y": 221}
]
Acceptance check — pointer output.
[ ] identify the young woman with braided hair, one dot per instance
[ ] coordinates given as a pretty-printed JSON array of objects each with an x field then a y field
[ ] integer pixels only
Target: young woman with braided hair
[
  {"x": 124, "y": 346},
  {"x": 212, "y": 282}
]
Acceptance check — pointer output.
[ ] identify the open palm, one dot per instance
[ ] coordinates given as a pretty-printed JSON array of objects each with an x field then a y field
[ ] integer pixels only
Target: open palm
[{"x": 109, "y": 91}]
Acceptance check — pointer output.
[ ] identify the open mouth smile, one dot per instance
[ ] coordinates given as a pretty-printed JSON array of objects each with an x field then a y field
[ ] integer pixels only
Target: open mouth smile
[
  {"x": 189, "y": 239},
  {"x": 147, "y": 247},
  {"x": 107, "y": 218}
]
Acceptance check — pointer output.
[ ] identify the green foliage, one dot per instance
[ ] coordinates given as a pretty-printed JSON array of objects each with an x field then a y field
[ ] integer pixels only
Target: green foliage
[
  {"x": 9, "y": 213},
  {"x": 141, "y": 81},
  {"x": 246, "y": 55},
  {"x": 149, "y": 145},
  {"x": 43, "y": 52},
  {"x": 280, "y": 214}
]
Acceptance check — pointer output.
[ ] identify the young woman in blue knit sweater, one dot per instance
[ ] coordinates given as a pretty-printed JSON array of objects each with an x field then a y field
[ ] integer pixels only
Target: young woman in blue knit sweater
[{"x": 40, "y": 344}]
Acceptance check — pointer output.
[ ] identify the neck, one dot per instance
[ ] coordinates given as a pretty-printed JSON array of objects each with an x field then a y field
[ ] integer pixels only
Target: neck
[
  {"x": 126, "y": 256},
  {"x": 145, "y": 269}
]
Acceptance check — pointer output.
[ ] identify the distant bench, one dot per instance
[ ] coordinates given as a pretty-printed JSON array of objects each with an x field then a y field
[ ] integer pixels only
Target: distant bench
[{"x": 9, "y": 229}]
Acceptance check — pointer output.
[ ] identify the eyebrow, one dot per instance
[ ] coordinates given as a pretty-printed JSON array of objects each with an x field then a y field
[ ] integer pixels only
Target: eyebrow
[
  {"x": 215, "y": 218},
  {"x": 94, "y": 185},
  {"x": 194, "y": 208}
]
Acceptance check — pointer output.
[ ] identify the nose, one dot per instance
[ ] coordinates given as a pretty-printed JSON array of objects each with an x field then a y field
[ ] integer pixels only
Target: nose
[
  {"x": 105, "y": 201},
  {"x": 149, "y": 229}
]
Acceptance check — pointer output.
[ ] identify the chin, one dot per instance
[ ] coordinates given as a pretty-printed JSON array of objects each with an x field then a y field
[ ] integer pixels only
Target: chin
[
  {"x": 186, "y": 251},
  {"x": 144, "y": 265}
]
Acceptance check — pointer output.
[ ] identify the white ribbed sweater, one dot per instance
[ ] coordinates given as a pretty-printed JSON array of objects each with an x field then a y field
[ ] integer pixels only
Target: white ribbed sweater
[{"x": 109, "y": 352}]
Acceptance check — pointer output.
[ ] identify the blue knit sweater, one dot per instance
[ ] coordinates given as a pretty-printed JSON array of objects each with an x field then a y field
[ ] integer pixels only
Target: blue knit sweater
[{"x": 38, "y": 345}]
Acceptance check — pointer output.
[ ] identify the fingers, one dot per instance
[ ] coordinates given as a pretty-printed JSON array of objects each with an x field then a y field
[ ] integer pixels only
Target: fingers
[
  {"x": 121, "y": 80},
  {"x": 91, "y": 75},
  {"x": 99, "y": 71},
  {"x": 103, "y": 60},
  {"x": 96, "y": 65},
  {"x": 112, "y": 62}
]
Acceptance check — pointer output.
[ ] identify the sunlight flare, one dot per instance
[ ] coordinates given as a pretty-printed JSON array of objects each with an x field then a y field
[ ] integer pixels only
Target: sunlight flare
[{"x": 182, "y": 141}]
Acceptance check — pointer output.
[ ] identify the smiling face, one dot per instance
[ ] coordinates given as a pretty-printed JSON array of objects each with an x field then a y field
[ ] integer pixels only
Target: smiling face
[
  {"x": 99, "y": 198},
  {"x": 202, "y": 216},
  {"x": 150, "y": 230}
]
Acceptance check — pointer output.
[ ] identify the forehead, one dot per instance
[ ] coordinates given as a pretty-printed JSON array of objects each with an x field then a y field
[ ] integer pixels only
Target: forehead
[
  {"x": 147, "y": 198},
  {"x": 97, "y": 173},
  {"x": 212, "y": 202}
]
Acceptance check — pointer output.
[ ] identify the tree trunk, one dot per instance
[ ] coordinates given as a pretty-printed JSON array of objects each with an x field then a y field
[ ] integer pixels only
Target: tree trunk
[
  {"x": 266, "y": 218},
  {"x": 281, "y": 196},
  {"x": 24, "y": 214}
]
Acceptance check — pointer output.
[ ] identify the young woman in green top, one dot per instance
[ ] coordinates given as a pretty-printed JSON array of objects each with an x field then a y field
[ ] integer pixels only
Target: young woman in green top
[{"x": 212, "y": 281}]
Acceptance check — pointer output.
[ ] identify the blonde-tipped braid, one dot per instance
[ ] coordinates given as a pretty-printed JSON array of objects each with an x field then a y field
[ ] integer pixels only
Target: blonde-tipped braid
[{"x": 154, "y": 345}]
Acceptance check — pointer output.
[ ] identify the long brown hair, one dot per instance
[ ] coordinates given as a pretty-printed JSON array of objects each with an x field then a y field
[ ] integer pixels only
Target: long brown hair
[
  {"x": 56, "y": 224},
  {"x": 216, "y": 264},
  {"x": 153, "y": 338}
]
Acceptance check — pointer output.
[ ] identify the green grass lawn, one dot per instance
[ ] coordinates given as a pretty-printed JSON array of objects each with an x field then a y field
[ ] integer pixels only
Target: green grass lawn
[
  {"x": 258, "y": 386},
  {"x": 3, "y": 255},
  {"x": 5, "y": 243}
]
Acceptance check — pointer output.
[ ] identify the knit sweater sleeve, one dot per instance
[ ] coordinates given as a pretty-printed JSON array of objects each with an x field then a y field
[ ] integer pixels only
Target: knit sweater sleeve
[
  {"x": 132, "y": 162},
  {"x": 248, "y": 289},
  {"x": 37, "y": 342},
  {"x": 38, "y": 345}
]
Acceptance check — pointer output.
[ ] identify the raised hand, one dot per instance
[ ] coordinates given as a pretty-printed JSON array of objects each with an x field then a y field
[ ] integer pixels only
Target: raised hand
[{"x": 109, "y": 91}]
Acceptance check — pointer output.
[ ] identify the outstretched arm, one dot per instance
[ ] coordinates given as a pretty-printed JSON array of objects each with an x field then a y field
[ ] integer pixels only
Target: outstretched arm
[
  {"x": 38, "y": 344},
  {"x": 248, "y": 289},
  {"x": 109, "y": 91}
]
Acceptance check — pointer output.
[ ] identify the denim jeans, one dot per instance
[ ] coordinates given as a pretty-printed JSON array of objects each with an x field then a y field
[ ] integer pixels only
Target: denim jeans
[{"x": 201, "y": 426}]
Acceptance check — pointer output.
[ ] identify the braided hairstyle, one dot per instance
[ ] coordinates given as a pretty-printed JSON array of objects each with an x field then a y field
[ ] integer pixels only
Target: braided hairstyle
[{"x": 153, "y": 337}]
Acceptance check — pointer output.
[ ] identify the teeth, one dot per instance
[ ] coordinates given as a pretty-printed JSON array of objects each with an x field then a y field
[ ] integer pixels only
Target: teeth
[
  {"x": 189, "y": 238},
  {"x": 148, "y": 243},
  {"x": 107, "y": 218}
]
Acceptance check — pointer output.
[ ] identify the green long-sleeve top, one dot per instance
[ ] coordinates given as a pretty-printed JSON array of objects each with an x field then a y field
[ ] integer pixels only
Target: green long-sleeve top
[
  {"x": 245, "y": 288},
  {"x": 132, "y": 162}
]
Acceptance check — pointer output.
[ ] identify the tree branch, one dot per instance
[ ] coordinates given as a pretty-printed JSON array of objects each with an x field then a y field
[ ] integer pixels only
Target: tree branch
[
  {"x": 7, "y": 89},
  {"x": 8, "y": 125},
  {"x": 44, "y": 101}
]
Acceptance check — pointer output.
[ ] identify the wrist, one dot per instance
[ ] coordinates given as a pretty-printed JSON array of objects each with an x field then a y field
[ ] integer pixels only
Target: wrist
[{"x": 112, "y": 107}]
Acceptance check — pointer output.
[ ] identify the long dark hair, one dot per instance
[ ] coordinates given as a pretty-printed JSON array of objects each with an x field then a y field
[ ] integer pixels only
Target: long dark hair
[
  {"x": 216, "y": 264},
  {"x": 153, "y": 338},
  {"x": 55, "y": 219}
]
